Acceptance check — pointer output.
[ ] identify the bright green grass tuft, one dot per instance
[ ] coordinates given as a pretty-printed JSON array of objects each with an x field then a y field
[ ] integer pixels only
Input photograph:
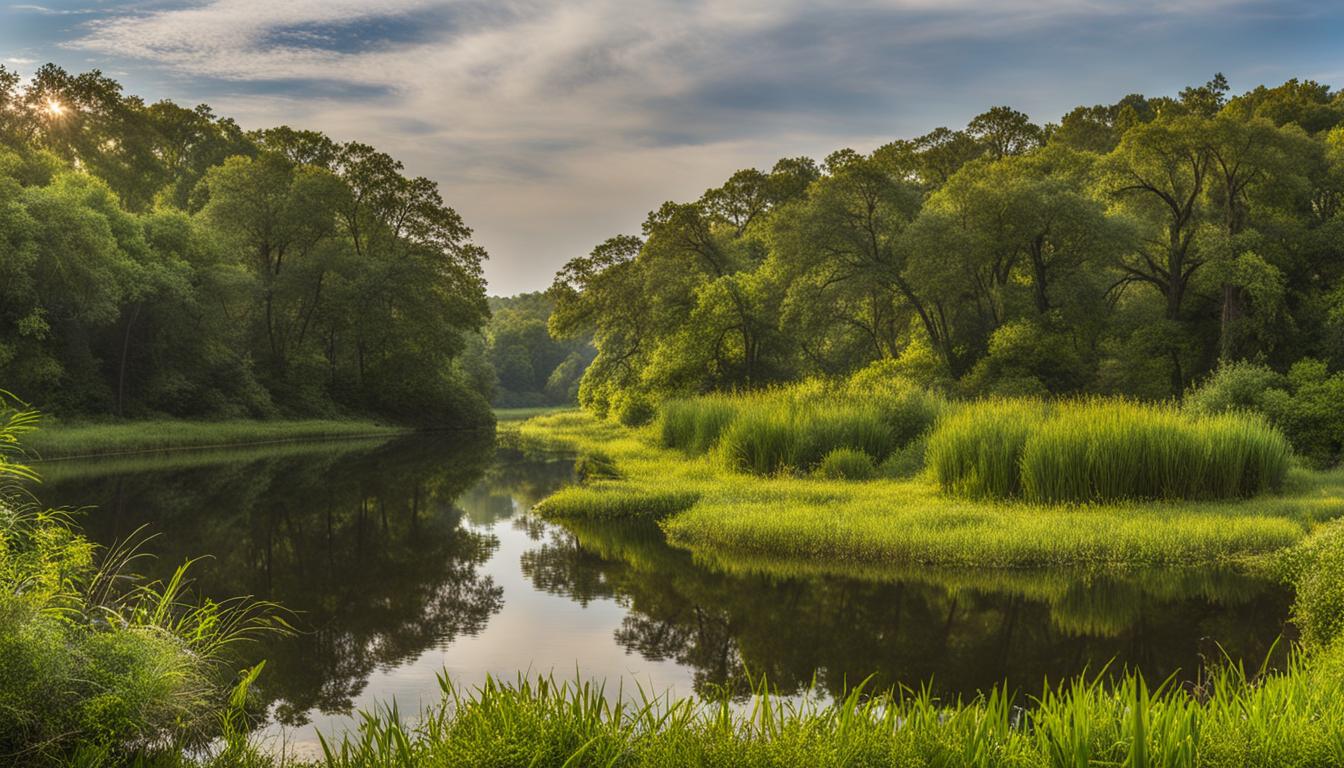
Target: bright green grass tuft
[
  {"x": 790, "y": 429},
  {"x": 1104, "y": 450}
]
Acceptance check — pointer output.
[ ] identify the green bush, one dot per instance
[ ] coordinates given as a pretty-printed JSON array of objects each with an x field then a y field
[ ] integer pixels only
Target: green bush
[
  {"x": 847, "y": 464},
  {"x": 1316, "y": 568},
  {"x": 1307, "y": 404},
  {"x": 633, "y": 409},
  {"x": 1104, "y": 451}
]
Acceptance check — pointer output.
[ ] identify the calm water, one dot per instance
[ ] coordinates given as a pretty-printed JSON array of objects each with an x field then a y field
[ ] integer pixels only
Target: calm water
[{"x": 405, "y": 559}]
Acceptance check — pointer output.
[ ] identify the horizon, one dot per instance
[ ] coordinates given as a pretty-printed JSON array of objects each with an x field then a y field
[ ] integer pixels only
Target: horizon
[{"x": 551, "y": 127}]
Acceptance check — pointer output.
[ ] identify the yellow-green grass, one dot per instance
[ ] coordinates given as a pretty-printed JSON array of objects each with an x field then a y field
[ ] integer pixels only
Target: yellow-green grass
[
  {"x": 794, "y": 428},
  {"x": 60, "y": 440},
  {"x": 1104, "y": 450},
  {"x": 841, "y": 524}
]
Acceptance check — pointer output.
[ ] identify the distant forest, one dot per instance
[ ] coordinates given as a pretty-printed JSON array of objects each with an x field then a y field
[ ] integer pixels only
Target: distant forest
[{"x": 1132, "y": 248}]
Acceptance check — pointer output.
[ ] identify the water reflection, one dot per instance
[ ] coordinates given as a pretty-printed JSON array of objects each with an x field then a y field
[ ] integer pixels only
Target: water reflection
[
  {"x": 403, "y": 557},
  {"x": 366, "y": 547},
  {"x": 958, "y": 632}
]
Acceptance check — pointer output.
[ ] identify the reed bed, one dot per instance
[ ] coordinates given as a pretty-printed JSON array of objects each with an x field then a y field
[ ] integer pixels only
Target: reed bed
[
  {"x": 1104, "y": 450},
  {"x": 791, "y": 429},
  {"x": 910, "y": 522}
]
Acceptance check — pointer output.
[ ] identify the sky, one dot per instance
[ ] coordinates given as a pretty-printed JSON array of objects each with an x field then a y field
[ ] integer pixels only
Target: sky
[{"x": 551, "y": 125}]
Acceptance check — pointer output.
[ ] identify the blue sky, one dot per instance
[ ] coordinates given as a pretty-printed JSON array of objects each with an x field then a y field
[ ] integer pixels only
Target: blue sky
[{"x": 553, "y": 125}]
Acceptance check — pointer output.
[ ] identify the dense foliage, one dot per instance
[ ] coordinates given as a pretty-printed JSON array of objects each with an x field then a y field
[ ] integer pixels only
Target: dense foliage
[
  {"x": 158, "y": 259},
  {"x": 1127, "y": 249}
]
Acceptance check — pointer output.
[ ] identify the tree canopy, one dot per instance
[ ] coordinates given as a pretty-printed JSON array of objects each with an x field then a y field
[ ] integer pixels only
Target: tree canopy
[
  {"x": 1131, "y": 249},
  {"x": 160, "y": 259}
]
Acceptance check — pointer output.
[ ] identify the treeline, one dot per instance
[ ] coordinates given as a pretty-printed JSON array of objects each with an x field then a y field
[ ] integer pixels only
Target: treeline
[
  {"x": 156, "y": 259},
  {"x": 1127, "y": 249}
]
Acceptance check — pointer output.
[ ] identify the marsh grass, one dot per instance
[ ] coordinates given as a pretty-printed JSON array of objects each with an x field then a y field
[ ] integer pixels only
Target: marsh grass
[
  {"x": 1104, "y": 450},
  {"x": 99, "y": 665},
  {"x": 81, "y": 440},
  {"x": 792, "y": 429},
  {"x": 842, "y": 525}
]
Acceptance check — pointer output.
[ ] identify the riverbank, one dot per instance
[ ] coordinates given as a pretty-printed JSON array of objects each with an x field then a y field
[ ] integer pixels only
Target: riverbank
[
  {"x": 58, "y": 440},
  {"x": 841, "y": 524}
]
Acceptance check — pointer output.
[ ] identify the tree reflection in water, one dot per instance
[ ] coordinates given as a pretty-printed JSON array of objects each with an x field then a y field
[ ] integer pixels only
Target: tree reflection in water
[
  {"x": 958, "y": 632},
  {"x": 365, "y": 546}
]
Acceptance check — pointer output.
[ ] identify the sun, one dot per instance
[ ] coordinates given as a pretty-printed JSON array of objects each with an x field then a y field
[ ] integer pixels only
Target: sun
[{"x": 55, "y": 108}]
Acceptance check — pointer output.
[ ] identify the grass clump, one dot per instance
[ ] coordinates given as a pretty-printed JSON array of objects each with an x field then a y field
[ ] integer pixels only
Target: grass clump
[
  {"x": 695, "y": 425},
  {"x": 1100, "y": 451},
  {"x": 977, "y": 451},
  {"x": 847, "y": 464},
  {"x": 792, "y": 429}
]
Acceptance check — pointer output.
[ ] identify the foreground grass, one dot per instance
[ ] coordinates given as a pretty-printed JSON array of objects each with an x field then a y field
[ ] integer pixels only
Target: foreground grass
[
  {"x": 56, "y": 440},
  {"x": 1234, "y": 719},
  {"x": 839, "y": 524}
]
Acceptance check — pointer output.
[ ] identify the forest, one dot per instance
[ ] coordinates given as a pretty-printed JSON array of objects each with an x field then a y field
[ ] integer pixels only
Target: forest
[
  {"x": 1129, "y": 249},
  {"x": 160, "y": 260}
]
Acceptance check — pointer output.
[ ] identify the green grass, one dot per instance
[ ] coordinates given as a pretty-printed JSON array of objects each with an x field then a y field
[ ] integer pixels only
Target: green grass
[
  {"x": 1236, "y": 719},
  {"x": 1102, "y": 451},
  {"x": 838, "y": 524},
  {"x": 56, "y": 440},
  {"x": 522, "y": 414},
  {"x": 791, "y": 429}
]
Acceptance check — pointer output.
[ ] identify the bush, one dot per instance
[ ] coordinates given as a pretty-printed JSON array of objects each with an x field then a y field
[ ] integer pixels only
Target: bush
[
  {"x": 1317, "y": 570},
  {"x": 1104, "y": 451},
  {"x": 847, "y": 464},
  {"x": 633, "y": 409},
  {"x": 1307, "y": 403}
]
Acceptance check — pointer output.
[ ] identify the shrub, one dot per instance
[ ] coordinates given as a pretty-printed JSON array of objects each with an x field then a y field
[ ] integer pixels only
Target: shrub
[
  {"x": 1316, "y": 567},
  {"x": 847, "y": 464},
  {"x": 1307, "y": 403},
  {"x": 633, "y": 409}
]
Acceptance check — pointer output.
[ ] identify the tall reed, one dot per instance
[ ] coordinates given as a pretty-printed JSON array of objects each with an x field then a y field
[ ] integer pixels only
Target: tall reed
[{"x": 1104, "y": 450}]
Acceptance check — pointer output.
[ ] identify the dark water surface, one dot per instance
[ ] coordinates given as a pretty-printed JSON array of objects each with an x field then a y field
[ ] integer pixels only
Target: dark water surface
[{"x": 406, "y": 559}]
